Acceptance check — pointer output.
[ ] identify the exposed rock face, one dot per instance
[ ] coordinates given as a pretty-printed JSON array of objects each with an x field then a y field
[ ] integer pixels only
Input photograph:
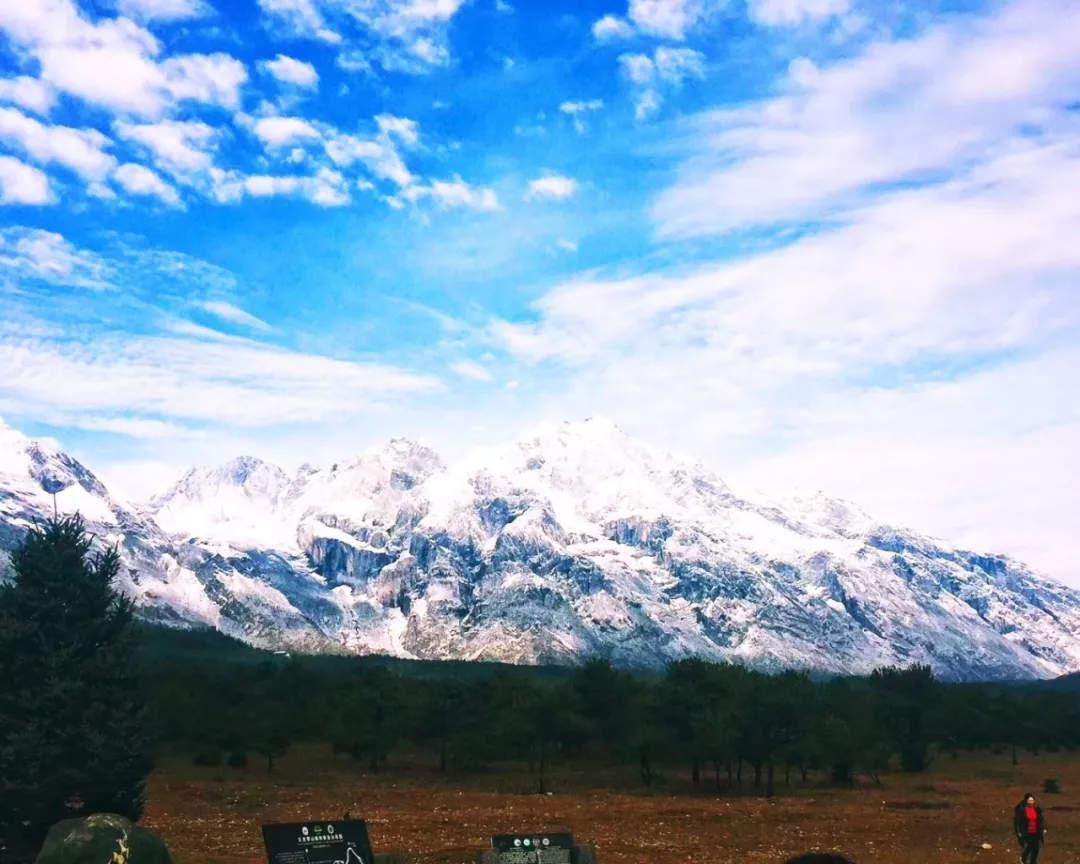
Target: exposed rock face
[{"x": 574, "y": 541}]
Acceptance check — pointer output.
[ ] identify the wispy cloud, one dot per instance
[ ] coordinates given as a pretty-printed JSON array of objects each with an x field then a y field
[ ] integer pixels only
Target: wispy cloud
[
  {"x": 174, "y": 377},
  {"x": 46, "y": 255},
  {"x": 294, "y": 18},
  {"x": 234, "y": 314},
  {"x": 472, "y": 370},
  {"x": 164, "y": 10},
  {"x": 793, "y": 12},
  {"x": 185, "y": 381},
  {"x": 400, "y": 35},
  {"x": 897, "y": 112}
]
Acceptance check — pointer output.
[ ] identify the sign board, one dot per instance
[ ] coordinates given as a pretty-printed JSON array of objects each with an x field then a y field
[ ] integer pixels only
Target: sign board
[
  {"x": 538, "y": 848},
  {"x": 344, "y": 842}
]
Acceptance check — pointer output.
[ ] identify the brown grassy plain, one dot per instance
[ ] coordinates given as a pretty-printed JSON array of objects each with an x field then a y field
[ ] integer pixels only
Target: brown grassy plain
[{"x": 213, "y": 815}]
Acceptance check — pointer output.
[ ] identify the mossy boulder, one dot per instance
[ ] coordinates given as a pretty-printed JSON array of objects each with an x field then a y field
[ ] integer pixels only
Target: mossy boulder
[{"x": 102, "y": 838}]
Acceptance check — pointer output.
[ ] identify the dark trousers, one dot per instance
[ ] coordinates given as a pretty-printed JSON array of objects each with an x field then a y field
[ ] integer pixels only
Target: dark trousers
[{"x": 1029, "y": 849}]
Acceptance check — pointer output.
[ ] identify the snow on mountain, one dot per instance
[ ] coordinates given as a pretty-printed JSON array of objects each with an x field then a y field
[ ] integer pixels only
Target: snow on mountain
[{"x": 575, "y": 540}]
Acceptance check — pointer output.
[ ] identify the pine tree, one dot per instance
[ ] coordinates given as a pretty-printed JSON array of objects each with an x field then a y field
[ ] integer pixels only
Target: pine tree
[{"x": 73, "y": 725}]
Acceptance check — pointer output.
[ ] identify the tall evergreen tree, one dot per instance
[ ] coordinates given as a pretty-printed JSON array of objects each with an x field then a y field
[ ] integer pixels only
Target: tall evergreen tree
[{"x": 73, "y": 726}]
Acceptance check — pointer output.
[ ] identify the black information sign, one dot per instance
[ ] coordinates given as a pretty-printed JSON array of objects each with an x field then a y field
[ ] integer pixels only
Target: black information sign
[
  {"x": 533, "y": 848},
  {"x": 343, "y": 842}
]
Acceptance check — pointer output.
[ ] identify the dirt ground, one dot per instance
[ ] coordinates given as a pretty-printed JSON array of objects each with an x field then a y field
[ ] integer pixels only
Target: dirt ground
[{"x": 214, "y": 815}]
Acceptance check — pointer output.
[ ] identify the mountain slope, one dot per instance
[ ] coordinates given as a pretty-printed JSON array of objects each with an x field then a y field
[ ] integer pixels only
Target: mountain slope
[{"x": 577, "y": 540}]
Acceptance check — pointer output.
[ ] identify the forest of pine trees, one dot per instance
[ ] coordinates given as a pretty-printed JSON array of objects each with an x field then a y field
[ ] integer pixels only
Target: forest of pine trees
[{"x": 721, "y": 725}]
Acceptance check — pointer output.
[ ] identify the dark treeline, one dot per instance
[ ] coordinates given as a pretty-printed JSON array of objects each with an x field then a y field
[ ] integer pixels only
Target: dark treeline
[{"x": 723, "y": 726}]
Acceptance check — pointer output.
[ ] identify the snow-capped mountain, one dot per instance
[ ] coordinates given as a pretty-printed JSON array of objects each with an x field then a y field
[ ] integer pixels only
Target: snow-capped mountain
[
  {"x": 573, "y": 541},
  {"x": 237, "y": 500}
]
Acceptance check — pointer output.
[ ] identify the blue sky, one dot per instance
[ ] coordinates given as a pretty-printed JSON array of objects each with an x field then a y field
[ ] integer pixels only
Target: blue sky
[{"x": 816, "y": 243}]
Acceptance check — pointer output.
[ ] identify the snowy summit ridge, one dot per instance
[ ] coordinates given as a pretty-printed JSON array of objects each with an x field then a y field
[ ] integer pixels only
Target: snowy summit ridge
[{"x": 575, "y": 540}]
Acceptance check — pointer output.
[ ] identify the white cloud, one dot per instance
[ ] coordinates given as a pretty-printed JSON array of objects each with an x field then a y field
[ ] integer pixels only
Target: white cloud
[
  {"x": 352, "y": 61},
  {"x": 452, "y": 194},
  {"x": 233, "y": 314},
  {"x": 378, "y": 155},
  {"x": 611, "y": 28},
  {"x": 81, "y": 150},
  {"x": 113, "y": 62},
  {"x": 647, "y": 103},
  {"x": 671, "y": 19},
  {"x": 417, "y": 56},
  {"x": 31, "y": 93},
  {"x": 775, "y": 13},
  {"x": 279, "y": 131},
  {"x": 164, "y": 10},
  {"x": 299, "y": 18},
  {"x": 670, "y": 66},
  {"x": 472, "y": 370},
  {"x": 957, "y": 93},
  {"x": 328, "y": 188},
  {"x": 401, "y": 35},
  {"x": 637, "y": 67},
  {"x": 213, "y": 79},
  {"x": 674, "y": 65},
  {"x": 226, "y": 186},
  {"x": 100, "y": 190},
  {"x": 578, "y": 109},
  {"x": 405, "y": 130},
  {"x": 568, "y": 245},
  {"x": 292, "y": 71},
  {"x": 140, "y": 180},
  {"x": 177, "y": 146},
  {"x": 581, "y": 106},
  {"x": 552, "y": 187},
  {"x": 403, "y": 18},
  {"x": 263, "y": 186}
]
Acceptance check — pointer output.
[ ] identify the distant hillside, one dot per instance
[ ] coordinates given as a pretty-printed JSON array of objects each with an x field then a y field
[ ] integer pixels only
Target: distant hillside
[
  {"x": 204, "y": 645},
  {"x": 1066, "y": 682}
]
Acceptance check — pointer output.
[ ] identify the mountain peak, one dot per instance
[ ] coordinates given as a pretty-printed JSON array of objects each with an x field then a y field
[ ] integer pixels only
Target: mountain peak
[
  {"x": 244, "y": 469},
  {"x": 249, "y": 475}
]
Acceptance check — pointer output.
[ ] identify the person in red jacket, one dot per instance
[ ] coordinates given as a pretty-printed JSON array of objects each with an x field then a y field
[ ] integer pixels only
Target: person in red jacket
[{"x": 1030, "y": 829}]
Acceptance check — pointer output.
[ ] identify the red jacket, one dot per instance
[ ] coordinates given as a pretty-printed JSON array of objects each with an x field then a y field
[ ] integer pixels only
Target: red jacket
[{"x": 1021, "y": 823}]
